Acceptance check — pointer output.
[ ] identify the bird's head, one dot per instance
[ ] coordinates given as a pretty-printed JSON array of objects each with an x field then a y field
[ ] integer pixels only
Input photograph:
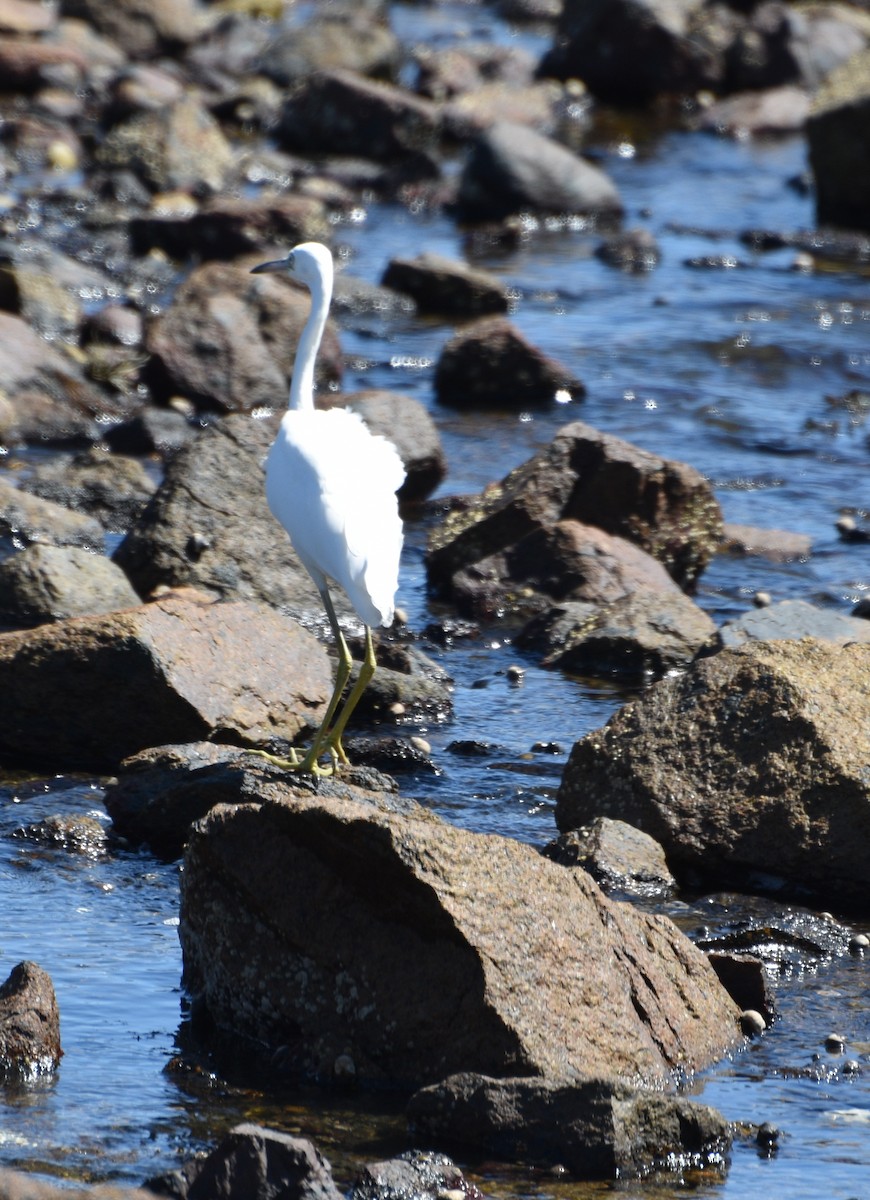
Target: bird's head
[{"x": 310, "y": 263}]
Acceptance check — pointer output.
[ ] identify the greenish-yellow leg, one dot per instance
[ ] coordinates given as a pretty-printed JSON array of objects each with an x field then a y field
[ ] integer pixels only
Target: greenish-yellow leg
[{"x": 366, "y": 670}]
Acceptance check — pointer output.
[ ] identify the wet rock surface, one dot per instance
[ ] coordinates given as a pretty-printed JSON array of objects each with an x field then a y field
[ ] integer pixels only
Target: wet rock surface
[
  {"x": 577, "y": 986},
  {"x": 29, "y": 1025},
  {"x": 619, "y": 858},
  {"x": 764, "y": 772},
  {"x": 597, "y": 1128}
]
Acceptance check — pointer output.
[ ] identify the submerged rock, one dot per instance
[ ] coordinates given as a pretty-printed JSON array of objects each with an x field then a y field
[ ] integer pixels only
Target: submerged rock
[
  {"x": 419, "y": 949},
  {"x": 597, "y": 1128},
  {"x": 89, "y": 691},
  {"x": 414, "y": 1175},
  {"x": 29, "y": 1025},
  {"x": 750, "y": 766}
]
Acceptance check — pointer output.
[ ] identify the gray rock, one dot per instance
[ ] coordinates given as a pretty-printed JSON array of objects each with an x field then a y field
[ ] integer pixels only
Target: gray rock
[
  {"x": 489, "y": 364},
  {"x": 29, "y": 1025},
  {"x": 780, "y": 45},
  {"x": 792, "y": 619},
  {"x": 227, "y": 342},
  {"x": 665, "y": 507},
  {"x": 89, "y": 691},
  {"x": 838, "y": 132},
  {"x": 340, "y": 112},
  {"x": 619, "y": 858},
  {"x": 50, "y": 583},
  {"x": 642, "y": 634},
  {"x": 442, "y": 285},
  {"x": 596, "y": 1127},
  {"x": 779, "y": 110},
  {"x": 406, "y": 422},
  {"x": 20, "y": 1185},
  {"x": 516, "y": 965},
  {"x": 513, "y": 169},
  {"x": 414, "y": 1175},
  {"x": 26, "y": 65},
  {"x": 776, "y": 545},
  {"x": 180, "y": 147},
  {"x": 751, "y": 767},
  {"x": 346, "y": 37},
  {"x": 28, "y": 519}
]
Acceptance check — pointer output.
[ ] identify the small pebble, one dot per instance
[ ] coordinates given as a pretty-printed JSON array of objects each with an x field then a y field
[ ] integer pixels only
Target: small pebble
[
  {"x": 835, "y": 1043},
  {"x": 752, "y": 1022},
  {"x": 515, "y": 674},
  {"x": 420, "y": 743},
  {"x": 397, "y": 709},
  {"x": 451, "y": 1194},
  {"x": 858, "y": 943},
  {"x": 851, "y": 1067},
  {"x": 62, "y": 157},
  {"x": 762, "y": 599},
  {"x": 344, "y": 1067},
  {"x": 400, "y": 617}
]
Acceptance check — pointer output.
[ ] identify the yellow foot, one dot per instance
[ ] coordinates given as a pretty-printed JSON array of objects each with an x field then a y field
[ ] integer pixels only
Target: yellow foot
[{"x": 307, "y": 765}]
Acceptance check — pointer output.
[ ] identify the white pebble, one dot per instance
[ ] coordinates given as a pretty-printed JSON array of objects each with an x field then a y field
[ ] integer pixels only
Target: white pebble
[{"x": 752, "y": 1022}]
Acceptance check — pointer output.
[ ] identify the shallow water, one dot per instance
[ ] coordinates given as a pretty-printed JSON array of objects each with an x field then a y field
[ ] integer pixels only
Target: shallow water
[{"x": 728, "y": 369}]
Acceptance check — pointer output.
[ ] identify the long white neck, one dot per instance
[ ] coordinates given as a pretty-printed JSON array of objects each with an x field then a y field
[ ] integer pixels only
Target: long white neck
[{"x": 302, "y": 383}]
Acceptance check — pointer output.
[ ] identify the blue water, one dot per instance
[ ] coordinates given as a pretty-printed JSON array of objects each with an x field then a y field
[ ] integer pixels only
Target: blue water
[{"x": 727, "y": 369}]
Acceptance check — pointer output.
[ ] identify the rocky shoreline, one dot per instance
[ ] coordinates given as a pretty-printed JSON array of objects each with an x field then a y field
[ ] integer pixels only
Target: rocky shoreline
[{"x": 157, "y": 631}]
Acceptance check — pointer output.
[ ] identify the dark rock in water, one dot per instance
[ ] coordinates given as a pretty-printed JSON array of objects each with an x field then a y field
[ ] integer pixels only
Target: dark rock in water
[
  {"x": 596, "y": 1127},
  {"x": 405, "y": 421},
  {"x": 838, "y": 133},
  {"x": 299, "y": 920},
  {"x": 490, "y": 364},
  {"x": 390, "y": 754},
  {"x": 752, "y": 763},
  {"x": 29, "y": 1025},
  {"x": 252, "y": 1163},
  {"x": 514, "y": 169},
  {"x": 441, "y": 285},
  {"x": 340, "y": 112},
  {"x": 82, "y": 835},
  {"x": 179, "y": 147},
  {"x": 110, "y": 487},
  {"x": 142, "y": 30},
  {"x": 619, "y": 858},
  {"x": 744, "y": 978},
  {"x": 791, "y": 619},
  {"x": 644, "y": 633},
  {"x": 664, "y": 507},
  {"x": 634, "y": 250},
  {"x": 50, "y": 583},
  {"x": 628, "y": 51},
  {"x": 227, "y": 342},
  {"x": 89, "y": 691},
  {"x": 414, "y": 1175}
]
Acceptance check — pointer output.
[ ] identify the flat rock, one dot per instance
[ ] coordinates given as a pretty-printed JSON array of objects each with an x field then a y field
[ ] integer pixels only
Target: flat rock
[
  {"x": 790, "y": 619},
  {"x": 776, "y": 545},
  {"x": 490, "y": 364},
  {"x": 513, "y": 169},
  {"x": 517, "y": 965},
  {"x": 750, "y": 766},
  {"x": 21, "y": 1185},
  {"x": 227, "y": 342},
  {"x": 780, "y": 110},
  {"x": 29, "y": 1025},
  {"x": 49, "y": 583},
  {"x": 89, "y": 691},
  {"x": 597, "y": 1128}
]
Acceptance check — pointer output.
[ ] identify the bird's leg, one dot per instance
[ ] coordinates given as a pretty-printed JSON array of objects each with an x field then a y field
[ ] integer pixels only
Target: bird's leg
[
  {"x": 322, "y": 742},
  {"x": 366, "y": 670}
]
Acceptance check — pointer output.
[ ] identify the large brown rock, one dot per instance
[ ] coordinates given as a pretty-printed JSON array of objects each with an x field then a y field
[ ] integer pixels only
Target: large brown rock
[
  {"x": 227, "y": 341},
  {"x": 413, "y": 949},
  {"x": 666, "y": 508},
  {"x": 754, "y": 762},
  {"x": 29, "y": 1024},
  {"x": 89, "y": 691}
]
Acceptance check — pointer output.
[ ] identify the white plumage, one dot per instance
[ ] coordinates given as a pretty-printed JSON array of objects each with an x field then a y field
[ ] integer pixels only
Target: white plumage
[{"x": 332, "y": 484}]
